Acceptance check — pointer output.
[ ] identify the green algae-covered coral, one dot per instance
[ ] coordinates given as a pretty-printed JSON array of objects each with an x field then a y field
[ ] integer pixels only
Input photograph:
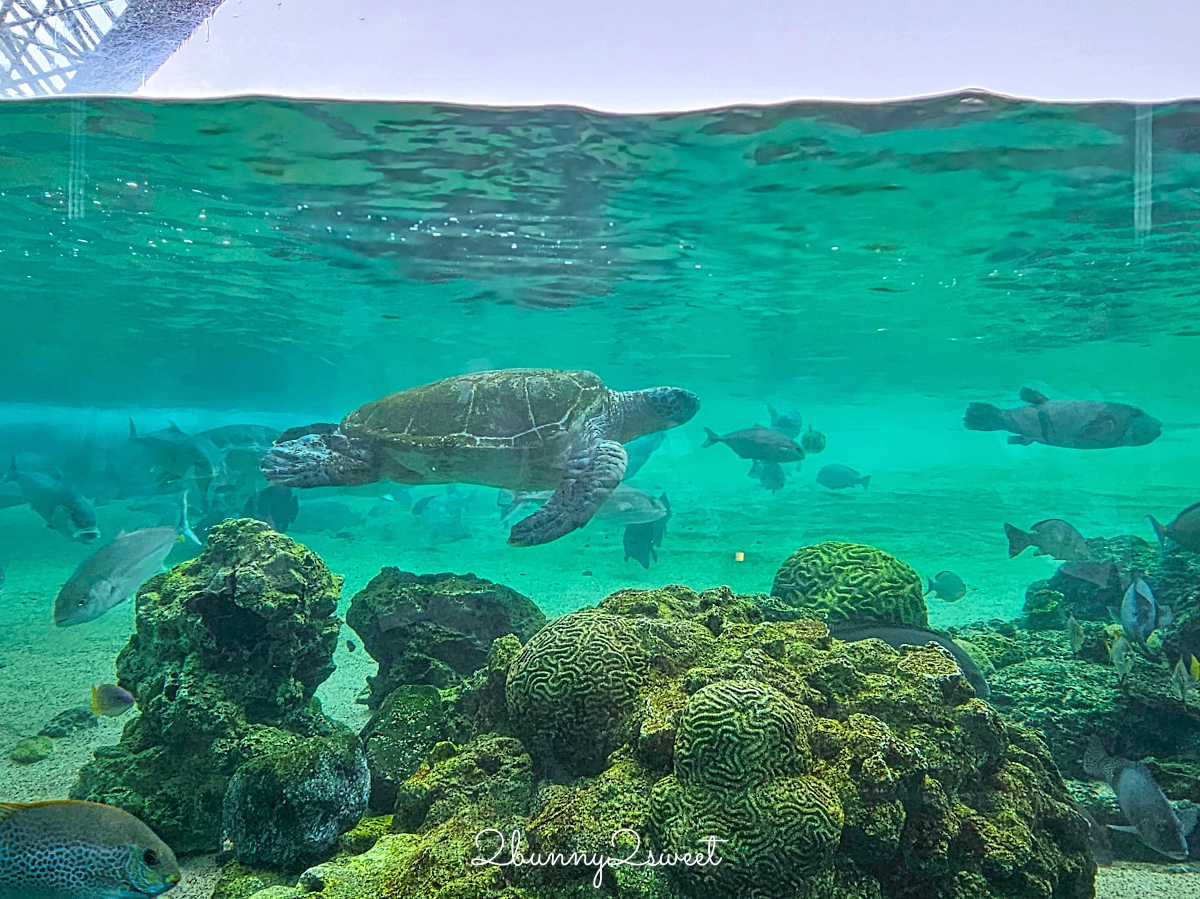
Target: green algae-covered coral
[
  {"x": 741, "y": 762},
  {"x": 573, "y": 691},
  {"x": 228, "y": 650},
  {"x": 434, "y": 628},
  {"x": 812, "y": 768},
  {"x": 851, "y": 582}
]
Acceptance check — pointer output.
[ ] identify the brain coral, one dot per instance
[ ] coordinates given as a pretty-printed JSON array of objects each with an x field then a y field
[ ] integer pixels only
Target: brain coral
[
  {"x": 851, "y": 582},
  {"x": 739, "y": 761},
  {"x": 573, "y": 691}
]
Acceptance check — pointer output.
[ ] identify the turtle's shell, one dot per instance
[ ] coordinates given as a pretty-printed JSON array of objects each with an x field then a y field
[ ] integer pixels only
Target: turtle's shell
[{"x": 511, "y": 428}]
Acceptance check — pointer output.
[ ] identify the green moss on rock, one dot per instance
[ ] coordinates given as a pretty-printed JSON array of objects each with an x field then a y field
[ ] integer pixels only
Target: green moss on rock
[
  {"x": 434, "y": 628},
  {"x": 398, "y": 738},
  {"x": 228, "y": 652},
  {"x": 851, "y": 582}
]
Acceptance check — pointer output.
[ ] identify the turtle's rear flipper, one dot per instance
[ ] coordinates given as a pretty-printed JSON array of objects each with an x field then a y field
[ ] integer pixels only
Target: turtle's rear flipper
[
  {"x": 593, "y": 473},
  {"x": 319, "y": 460}
]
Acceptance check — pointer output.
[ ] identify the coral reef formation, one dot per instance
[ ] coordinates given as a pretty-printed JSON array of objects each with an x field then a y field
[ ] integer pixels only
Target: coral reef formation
[
  {"x": 435, "y": 628},
  {"x": 228, "y": 651},
  {"x": 851, "y": 582},
  {"x": 819, "y": 769}
]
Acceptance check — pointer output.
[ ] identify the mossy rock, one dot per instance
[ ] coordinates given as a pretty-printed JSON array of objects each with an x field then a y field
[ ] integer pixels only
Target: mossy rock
[
  {"x": 287, "y": 809},
  {"x": 227, "y": 654},
  {"x": 398, "y": 737},
  {"x": 834, "y": 770},
  {"x": 30, "y": 750},
  {"x": 853, "y": 583},
  {"x": 435, "y": 628}
]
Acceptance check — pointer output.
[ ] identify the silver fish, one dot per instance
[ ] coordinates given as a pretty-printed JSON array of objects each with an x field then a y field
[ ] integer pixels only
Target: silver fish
[
  {"x": 1147, "y": 809},
  {"x": 113, "y": 573},
  {"x": 68, "y": 849},
  {"x": 1074, "y": 634},
  {"x": 763, "y": 444},
  {"x": 61, "y": 505},
  {"x": 786, "y": 423},
  {"x": 1181, "y": 680},
  {"x": 1121, "y": 656}
]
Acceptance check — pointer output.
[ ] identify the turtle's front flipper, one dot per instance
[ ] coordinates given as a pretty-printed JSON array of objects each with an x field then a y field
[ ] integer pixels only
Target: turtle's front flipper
[
  {"x": 319, "y": 460},
  {"x": 593, "y": 473}
]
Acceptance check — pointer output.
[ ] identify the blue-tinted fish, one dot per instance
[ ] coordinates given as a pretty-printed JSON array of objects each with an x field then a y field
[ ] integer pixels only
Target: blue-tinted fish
[
  {"x": 812, "y": 441},
  {"x": 1077, "y": 424},
  {"x": 842, "y": 477},
  {"x": 947, "y": 586},
  {"x": 1140, "y": 614},
  {"x": 1147, "y": 809},
  {"x": 638, "y": 452},
  {"x": 277, "y": 506},
  {"x": 80, "y": 850},
  {"x": 641, "y": 541},
  {"x": 770, "y": 474},
  {"x": 110, "y": 700},
  {"x": 786, "y": 423},
  {"x": 763, "y": 444},
  {"x": 114, "y": 572},
  {"x": 61, "y": 505}
]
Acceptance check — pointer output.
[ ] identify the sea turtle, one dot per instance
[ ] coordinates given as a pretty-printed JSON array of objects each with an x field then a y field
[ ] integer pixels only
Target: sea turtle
[{"x": 517, "y": 429}]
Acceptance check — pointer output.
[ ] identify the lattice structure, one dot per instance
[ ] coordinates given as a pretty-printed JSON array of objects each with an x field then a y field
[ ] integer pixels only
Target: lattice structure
[{"x": 90, "y": 46}]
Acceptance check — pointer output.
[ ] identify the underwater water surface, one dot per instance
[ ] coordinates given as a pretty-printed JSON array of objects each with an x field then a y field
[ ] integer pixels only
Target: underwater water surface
[{"x": 875, "y": 268}]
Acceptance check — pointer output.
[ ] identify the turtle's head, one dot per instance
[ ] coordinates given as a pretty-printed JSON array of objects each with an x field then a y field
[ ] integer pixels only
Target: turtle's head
[
  {"x": 656, "y": 409},
  {"x": 319, "y": 460}
]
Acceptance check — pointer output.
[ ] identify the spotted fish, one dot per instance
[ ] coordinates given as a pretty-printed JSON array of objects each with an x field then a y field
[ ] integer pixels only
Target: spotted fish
[{"x": 80, "y": 850}]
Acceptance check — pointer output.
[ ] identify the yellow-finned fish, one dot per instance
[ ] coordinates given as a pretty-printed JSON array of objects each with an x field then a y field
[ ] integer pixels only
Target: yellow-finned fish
[
  {"x": 1195, "y": 668},
  {"x": 80, "y": 850}
]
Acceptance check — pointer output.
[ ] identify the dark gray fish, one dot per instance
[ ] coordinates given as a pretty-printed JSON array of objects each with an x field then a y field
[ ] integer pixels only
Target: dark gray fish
[
  {"x": 629, "y": 506},
  {"x": 770, "y": 474},
  {"x": 1053, "y": 537},
  {"x": 787, "y": 423},
  {"x": 1184, "y": 530},
  {"x": 441, "y": 516},
  {"x": 896, "y": 637},
  {"x": 1147, "y": 809},
  {"x": 947, "y": 586},
  {"x": 1075, "y": 424},
  {"x": 176, "y": 455},
  {"x": 61, "y": 505},
  {"x": 326, "y": 516},
  {"x": 812, "y": 441},
  {"x": 114, "y": 572},
  {"x": 641, "y": 541},
  {"x": 763, "y": 444},
  {"x": 277, "y": 506},
  {"x": 841, "y": 477},
  {"x": 1140, "y": 614},
  {"x": 638, "y": 452}
]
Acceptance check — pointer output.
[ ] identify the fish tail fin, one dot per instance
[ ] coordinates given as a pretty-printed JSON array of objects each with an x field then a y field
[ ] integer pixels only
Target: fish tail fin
[
  {"x": 1187, "y": 821},
  {"x": 865, "y": 480},
  {"x": 1158, "y": 531},
  {"x": 95, "y": 700},
  {"x": 929, "y": 585},
  {"x": 132, "y": 429},
  {"x": 713, "y": 437},
  {"x": 774, "y": 415},
  {"x": 1094, "y": 756},
  {"x": 185, "y": 529},
  {"x": 12, "y": 469},
  {"x": 1018, "y": 540},
  {"x": 983, "y": 417}
]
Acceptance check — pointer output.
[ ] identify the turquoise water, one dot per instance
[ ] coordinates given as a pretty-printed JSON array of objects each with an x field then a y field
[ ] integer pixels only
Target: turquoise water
[{"x": 876, "y": 267}]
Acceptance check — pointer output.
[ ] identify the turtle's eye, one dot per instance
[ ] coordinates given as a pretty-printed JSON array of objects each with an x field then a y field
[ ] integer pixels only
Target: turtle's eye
[{"x": 150, "y": 857}]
